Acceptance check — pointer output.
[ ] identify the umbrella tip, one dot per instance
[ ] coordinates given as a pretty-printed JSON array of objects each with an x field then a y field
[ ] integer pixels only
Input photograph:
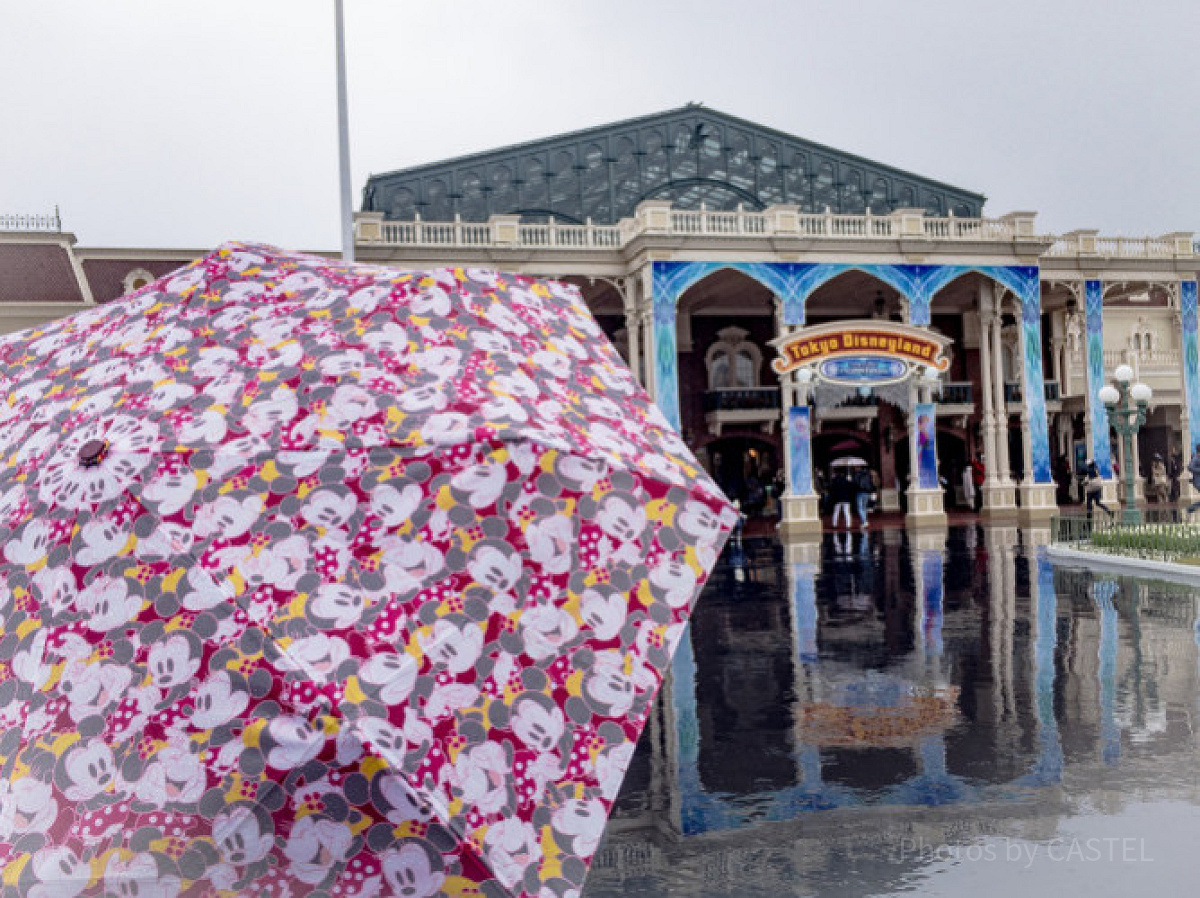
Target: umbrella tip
[{"x": 92, "y": 452}]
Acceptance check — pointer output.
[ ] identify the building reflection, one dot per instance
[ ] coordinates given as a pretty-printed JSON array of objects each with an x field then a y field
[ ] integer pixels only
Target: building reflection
[{"x": 899, "y": 669}]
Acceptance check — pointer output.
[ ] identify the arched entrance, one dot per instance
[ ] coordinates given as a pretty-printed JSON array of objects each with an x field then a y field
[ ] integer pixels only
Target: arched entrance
[{"x": 748, "y": 469}]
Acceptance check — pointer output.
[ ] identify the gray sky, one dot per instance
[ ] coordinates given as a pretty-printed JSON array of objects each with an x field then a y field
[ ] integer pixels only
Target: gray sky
[{"x": 176, "y": 123}]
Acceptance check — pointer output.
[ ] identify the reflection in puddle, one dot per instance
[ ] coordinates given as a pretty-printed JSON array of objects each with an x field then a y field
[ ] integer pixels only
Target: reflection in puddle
[{"x": 843, "y": 715}]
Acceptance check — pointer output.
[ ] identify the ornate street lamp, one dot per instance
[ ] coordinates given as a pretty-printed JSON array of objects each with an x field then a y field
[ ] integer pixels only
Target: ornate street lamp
[{"x": 1127, "y": 418}]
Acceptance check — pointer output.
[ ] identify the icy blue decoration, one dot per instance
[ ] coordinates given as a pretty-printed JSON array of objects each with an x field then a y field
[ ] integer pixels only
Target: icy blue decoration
[
  {"x": 804, "y": 601},
  {"x": 794, "y": 282},
  {"x": 927, "y": 475},
  {"x": 799, "y": 436},
  {"x": 932, "y": 576},
  {"x": 1050, "y": 760},
  {"x": 1093, "y": 302},
  {"x": 1110, "y": 730},
  {"x": 1191, "y": 363}
]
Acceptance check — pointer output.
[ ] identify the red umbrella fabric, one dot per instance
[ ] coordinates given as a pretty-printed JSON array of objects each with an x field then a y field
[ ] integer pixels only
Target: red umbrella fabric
[{"x": 326, "y": 579}]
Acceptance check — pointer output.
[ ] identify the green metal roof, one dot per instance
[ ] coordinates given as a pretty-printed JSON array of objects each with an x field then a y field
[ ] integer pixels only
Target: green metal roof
[{"x": 691, "y": 156}]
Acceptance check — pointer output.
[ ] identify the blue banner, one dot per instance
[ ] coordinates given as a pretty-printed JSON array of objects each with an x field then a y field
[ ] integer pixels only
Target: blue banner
[
  {"x": 1093, "y": 302},
  {"x": 799, "y": 447},
  {"x": 927, "y": 477}
]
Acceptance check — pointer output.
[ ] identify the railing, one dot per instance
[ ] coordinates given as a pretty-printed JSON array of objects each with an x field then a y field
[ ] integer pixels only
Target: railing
[
  {"x": 1115, "y": 247},
  {"x": 706, "y": 221},
  {"x": 775, "y": 221},
  {"x": 741, "y": 399},
  {"x": 50, "y": 223},
  {"x": 1163, "y": 536},
  {"x": 847, "y": 227},
  {"x": 1155, "y": 358},
  {"x": 968, "y": 229},
  {"x": 1012, "y": 391},
  {"x": 473, "y": 234},
  {"x": 1160, "y": 358},
  {"x": 958, "y": 393}
]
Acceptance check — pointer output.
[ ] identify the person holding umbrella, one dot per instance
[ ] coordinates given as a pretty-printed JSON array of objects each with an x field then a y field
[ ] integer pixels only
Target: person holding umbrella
[{"x": 842, "y": 492}]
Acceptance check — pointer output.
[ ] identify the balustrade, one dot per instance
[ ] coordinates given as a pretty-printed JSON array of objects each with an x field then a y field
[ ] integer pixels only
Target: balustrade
[
  {"x": 741, "y": 399},
  {"x": 958, "y": 393},
  {"x": 1012, "y": 391},
  {"x": 740, "y": 222},
  {"x": 50, "y": 223}
]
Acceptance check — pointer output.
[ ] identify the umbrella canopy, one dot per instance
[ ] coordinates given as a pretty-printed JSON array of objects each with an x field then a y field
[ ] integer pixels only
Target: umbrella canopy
[
  {"x": 320, "y": 578},
  {"x": 848, "y": 461}
]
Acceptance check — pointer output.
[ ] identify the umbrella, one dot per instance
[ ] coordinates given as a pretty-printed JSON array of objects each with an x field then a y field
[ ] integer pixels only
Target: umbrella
[
  {"x": 321, "y": 578},
  {"x": 848, "y": 461}
]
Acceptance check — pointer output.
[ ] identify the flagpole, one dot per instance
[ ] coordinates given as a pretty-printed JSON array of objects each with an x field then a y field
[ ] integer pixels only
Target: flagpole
[{"x": 346, "y": 203}]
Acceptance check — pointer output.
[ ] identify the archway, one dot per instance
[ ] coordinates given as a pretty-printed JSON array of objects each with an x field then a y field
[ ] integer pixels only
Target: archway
[{"x": 748, "y": 469}]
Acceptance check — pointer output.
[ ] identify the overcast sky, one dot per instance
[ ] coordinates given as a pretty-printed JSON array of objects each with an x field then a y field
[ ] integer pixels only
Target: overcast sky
[{"x": 175, "y": 123}]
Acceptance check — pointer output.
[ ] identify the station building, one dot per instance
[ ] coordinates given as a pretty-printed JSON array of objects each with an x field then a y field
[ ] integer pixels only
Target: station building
[{"x": 710, "y": 247}]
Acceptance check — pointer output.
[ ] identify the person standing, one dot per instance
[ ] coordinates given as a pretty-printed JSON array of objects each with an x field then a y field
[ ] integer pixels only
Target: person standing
[
  {"x": 1160, "y": 487},
  {"x": 1093, "y": 488},
  {"x": 863, "y": 487},
  {"x": 968, "y": 487},
  {"x": 978, "y": 474},
  {"x": 842, "y": 494},
  {"x": 1194, "y": 469}
]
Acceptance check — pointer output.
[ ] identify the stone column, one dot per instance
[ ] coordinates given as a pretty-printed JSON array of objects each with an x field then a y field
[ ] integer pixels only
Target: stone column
[
  {"x": 633, "y": 327},
  {"x": 999, "y": 498},
  {"x": 1004, "y": 472},
  {"x": 987, "y": 399},
  {"x": 645, "y": 293}
]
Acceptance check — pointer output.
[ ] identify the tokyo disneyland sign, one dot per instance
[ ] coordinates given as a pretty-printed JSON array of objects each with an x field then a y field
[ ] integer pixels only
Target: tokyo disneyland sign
[{"x": 863, "y": 354}]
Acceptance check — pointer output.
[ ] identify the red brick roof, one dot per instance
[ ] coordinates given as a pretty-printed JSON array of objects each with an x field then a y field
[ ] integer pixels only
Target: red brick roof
[
  {"x": 107, "y": 276},
  {"x": 37, "y": 272}
]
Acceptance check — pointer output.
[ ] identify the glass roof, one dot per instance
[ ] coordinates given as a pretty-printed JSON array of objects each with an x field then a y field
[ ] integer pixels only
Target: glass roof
[{"x": 691, "y": 156}]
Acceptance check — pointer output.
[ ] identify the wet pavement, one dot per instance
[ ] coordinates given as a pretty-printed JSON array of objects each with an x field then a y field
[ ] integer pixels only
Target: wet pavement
[{"x": 884, "y": 713}]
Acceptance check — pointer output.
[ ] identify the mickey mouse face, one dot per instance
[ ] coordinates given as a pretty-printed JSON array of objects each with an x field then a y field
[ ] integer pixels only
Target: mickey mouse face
[
  {"x": 496, "y": 570},
  {"x": 266, "y": 414},
  {"x": 241, "y": 837},
  {"x": 340, "y": 605},
  {"x": 609, "y": 685},
  {"x": 675, "y": 580},
  {"x": 327, "y": 509},
  {"x": 60, "y": 872},
  {"x": 538, "y": 727},
  {"x": 583, "y": 473},
  {"x": 171, "y": 663},
  {"x": 216, "y": 702},
  {"x": 605, "y": 614},
  {"x": 698, "y": 520},
  {"x": 423, "y": 398},
  {"x": 296, "y": 742},
  {"x": 393, "y": 506},
  {"x": 582, "y": 820},
  {"x": 385, "y": 738},
  {"x": 107, "y": 604},
  {"x": 90, "y": 770},
  {"x": 410, "y": 872},
  {"x": 621, "y": 520},
  {"x": 394, "y": 675},
  {"x": 456, "y": 648}
]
